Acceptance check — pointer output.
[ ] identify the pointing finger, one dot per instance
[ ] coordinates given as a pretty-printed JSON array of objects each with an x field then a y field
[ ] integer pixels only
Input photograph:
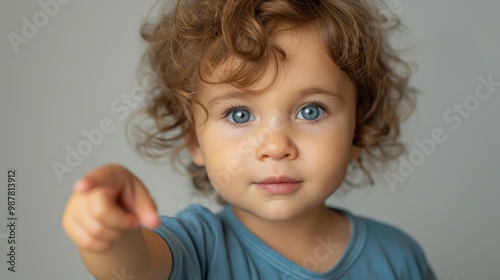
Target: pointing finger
[{"x": 112, "y": 175}]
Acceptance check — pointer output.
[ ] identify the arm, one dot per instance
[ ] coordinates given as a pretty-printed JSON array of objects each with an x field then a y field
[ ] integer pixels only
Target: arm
[{"x": 140, "y": 253}]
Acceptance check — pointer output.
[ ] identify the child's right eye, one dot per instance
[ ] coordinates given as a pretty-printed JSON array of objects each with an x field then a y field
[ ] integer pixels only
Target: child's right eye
[{"x": 239, "y": 115}]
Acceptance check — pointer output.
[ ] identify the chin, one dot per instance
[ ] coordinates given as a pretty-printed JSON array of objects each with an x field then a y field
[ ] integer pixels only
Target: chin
[{"x": 278, "y": 211}]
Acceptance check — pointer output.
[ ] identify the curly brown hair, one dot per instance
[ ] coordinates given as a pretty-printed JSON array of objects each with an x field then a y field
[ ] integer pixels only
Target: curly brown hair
[{"x": 195, "y": 36}]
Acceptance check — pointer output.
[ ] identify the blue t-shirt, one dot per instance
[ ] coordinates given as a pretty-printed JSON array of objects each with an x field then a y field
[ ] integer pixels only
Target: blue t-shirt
[{"x": 205, "y": 245}]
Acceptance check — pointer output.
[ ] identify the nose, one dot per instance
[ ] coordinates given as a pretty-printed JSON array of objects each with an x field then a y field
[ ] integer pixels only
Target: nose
[{"x": 276, "y": 145}]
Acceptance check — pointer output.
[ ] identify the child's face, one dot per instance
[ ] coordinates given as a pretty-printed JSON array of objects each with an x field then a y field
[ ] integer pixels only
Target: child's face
[{"x": 301, "y": 127}]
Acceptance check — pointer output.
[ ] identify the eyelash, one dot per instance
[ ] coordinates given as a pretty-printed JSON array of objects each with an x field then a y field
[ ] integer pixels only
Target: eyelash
[
  {"x": 241, "y": 107},
  {"x": 234, "y": 108},
  {"x": 319, "y": 104},
  {"x": 231, "y": 109}
]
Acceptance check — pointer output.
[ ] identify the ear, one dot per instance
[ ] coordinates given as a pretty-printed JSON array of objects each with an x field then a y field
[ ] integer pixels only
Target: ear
[
  {"x": 194, "y": 148},
  {"x": 196, "y": 153},
  {"x": 355, "y": 152},
  {"x": 191, "y": 138}
]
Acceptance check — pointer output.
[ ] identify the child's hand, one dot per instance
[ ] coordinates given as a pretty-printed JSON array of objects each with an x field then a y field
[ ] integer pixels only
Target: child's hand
[{"x": 107, "y": 203}]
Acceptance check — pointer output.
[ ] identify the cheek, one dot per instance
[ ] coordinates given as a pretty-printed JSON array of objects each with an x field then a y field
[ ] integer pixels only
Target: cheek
[
  {"x": 327, "y": 165},
  {"x": 222, "y": 159},
  {"x": 329, "y": 150},
  {"x": 218, "y": 143}
]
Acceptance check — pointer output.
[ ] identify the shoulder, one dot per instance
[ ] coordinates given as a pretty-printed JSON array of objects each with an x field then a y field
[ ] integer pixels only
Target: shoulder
[
  {"x": 193, "y": 220},
  {"x": 389, "y": 247},
  {"x": 382, "y": 235},
  {"x": 376, "y": 231}
]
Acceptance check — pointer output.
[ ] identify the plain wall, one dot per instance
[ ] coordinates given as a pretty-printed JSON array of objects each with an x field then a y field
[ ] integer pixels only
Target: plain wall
[{"x": 66, "y": 77}]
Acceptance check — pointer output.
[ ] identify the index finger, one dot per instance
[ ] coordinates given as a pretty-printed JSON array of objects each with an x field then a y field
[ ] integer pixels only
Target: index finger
[{"x": 108, "y": 175}]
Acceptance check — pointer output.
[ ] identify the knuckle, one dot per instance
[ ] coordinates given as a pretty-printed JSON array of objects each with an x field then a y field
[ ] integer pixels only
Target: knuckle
[
  {"x": 98, "y": 206},
  {"x": 87, "y": 243},
  {"x": 99, "y": 210},
  {"x": 97, "y": 231}
]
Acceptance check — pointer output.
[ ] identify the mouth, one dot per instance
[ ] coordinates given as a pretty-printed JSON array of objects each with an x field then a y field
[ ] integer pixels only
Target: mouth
[{"x": 279, "y": 185}]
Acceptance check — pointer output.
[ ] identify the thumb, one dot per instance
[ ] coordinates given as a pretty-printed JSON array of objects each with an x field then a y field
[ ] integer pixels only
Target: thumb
[{"x": 144, "y": 207}]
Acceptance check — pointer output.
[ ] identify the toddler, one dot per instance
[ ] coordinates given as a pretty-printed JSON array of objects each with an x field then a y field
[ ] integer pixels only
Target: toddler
[{"x": 273, "y": 100}]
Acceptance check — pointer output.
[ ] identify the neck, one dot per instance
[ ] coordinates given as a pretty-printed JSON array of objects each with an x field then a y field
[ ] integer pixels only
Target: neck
[
  {"x": 304, "y": 228},
  {"x": 301, "y": 237}
]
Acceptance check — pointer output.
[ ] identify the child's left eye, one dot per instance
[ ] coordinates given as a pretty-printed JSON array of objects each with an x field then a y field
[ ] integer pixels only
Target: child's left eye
[{"x": 311, "y": 112}]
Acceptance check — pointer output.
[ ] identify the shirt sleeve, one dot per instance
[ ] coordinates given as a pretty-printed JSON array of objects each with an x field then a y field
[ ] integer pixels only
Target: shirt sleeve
[{"x": 191, "y": 236}]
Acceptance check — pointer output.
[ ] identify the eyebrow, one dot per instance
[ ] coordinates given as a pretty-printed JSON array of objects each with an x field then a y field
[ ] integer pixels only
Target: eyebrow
[
  {"x": 303, "y": 92},
  {"x": 320, "y": 90},
  {"x": 228, "y": 95}
]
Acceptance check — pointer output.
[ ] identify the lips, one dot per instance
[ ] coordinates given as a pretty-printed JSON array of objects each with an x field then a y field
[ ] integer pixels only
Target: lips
[
  {"x": 279, "y": 185},
  {"x": 278, "y": 180}
]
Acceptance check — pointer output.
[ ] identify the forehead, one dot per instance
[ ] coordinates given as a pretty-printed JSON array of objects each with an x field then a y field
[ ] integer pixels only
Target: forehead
[{"x": 306, "y": 63}]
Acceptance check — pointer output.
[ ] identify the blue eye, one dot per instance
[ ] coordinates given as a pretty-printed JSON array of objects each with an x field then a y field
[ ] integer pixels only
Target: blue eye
[
  {"x": 311, "y": 112},
  {"x": 239, "y": 116}
]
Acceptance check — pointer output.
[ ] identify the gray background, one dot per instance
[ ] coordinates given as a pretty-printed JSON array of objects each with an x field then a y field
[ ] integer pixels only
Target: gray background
[{"x": 64, "y": 80}]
